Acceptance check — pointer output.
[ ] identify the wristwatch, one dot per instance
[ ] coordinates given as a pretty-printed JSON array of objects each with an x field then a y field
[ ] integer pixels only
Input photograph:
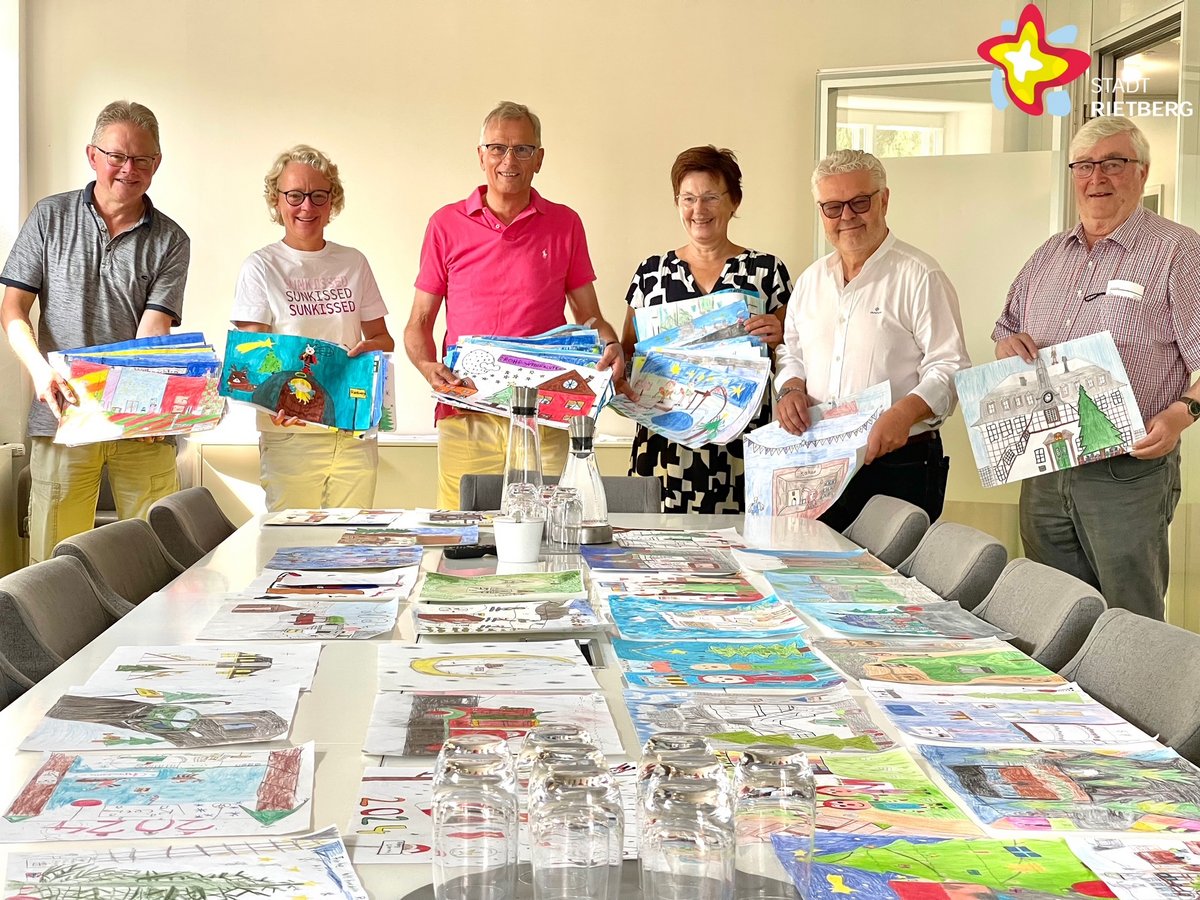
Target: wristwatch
[
  {"x": 788, "y": 390},
  {"x": 1193, "y": 407}
]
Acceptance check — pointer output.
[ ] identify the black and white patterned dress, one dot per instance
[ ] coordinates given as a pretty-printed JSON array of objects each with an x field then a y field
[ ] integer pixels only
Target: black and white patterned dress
[{"x": 711, "y": 479}]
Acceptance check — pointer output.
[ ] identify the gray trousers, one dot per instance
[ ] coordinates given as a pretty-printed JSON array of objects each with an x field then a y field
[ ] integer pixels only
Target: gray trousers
[{"x": 1106, "y": 524}]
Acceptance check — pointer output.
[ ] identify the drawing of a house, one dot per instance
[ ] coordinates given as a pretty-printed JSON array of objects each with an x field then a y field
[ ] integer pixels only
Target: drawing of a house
[
  {"x": 1031, "y": 424},
  {"x": 807, "y": 490},
  {"x": 564, "y": 396}
]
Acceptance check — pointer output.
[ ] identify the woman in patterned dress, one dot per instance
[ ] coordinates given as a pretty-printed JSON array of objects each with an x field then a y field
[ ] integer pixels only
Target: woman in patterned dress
[{"x": 707, "y": 184}]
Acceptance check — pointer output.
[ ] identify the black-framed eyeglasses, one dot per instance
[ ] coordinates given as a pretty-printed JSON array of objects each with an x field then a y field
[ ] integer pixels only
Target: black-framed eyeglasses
[
  {"x": 520, "y": 151},
  {"x": 118, "y": 160},
  {"x": 295, "y": 198},
  {"x": 1114, "y": 165},
  {"x": 860, "y": 204}
]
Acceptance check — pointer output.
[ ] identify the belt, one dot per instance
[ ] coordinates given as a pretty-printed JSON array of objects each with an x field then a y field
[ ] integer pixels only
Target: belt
[{"x": 923, "y": 437}]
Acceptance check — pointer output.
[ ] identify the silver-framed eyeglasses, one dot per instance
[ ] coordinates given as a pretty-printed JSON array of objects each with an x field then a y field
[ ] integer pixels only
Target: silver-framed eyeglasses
[
  {"x": 1114, "y": 165},
  {"x": 520, "y": 151},
  {"x": 687, "y": 201},
  {"x": 295, "y": 198},
  {"x": 860, "y": 204},
  {"x": 118, "y": 160}
]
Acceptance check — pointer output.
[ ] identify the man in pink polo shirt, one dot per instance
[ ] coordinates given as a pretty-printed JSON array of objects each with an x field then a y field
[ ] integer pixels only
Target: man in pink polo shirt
[{"x": 504, "y": 260}]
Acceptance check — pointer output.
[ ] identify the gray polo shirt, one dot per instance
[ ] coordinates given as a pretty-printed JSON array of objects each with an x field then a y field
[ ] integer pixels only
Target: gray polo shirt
[{"x": 93, "y": 289}]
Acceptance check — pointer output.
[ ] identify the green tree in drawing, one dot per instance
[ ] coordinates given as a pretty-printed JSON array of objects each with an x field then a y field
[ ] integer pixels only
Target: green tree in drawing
[
  {"x": 1096, "y": 430},
  {"x": 270, "y": 364},
  {"x": 91, "y": 881}
]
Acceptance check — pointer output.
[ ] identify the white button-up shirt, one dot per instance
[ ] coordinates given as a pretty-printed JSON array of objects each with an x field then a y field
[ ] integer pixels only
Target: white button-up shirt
[{"x": 897, "y": 319}]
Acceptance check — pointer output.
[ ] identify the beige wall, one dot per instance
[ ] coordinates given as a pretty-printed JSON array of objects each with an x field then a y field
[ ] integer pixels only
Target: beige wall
[{"x": 394, "y": 91}]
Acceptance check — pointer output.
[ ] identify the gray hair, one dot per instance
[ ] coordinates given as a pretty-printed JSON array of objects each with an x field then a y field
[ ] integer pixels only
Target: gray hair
[
  {"x": 127, "y": 111},
  {"x": 1097, "y": 130},
  {"x": 507, "y": 109},
  {"x": 307, "y": 156},
  {"x": 843, "y": 162}
]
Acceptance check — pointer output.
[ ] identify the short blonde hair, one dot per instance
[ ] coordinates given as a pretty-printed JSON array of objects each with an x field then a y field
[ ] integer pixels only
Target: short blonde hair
[
  {"x": 307, "y": 156},
  {"x": 843, "y": 162},
  {"x": 507, "y": 109},
  {"x": 127, "y": 111}
]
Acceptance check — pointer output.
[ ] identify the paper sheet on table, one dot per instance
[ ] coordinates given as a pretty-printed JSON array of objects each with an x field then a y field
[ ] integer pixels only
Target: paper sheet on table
[{"x": 803, "y": 475}]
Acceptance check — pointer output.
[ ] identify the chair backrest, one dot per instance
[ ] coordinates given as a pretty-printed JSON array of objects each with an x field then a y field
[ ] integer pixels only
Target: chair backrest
[
  {"x": 125, "y": 560},
  {"x": 624, "y": 493},
  {"x": 1048, "y": 612},
  {"x": 889, "y": 527},
  {"x": 957, "y": 562},
  {"x": 1145, "y": 670},
  {"x": 190, "y": 524},
  {"x": 48, "y": 612}
]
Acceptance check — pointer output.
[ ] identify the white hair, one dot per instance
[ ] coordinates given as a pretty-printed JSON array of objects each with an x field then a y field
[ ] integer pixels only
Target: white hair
[
  {"x": 126, "y": 111},
  {"x": 507, "y": 109},
  {"x": 843, "y": 162},
  {"x": 1097, "y": 130}
]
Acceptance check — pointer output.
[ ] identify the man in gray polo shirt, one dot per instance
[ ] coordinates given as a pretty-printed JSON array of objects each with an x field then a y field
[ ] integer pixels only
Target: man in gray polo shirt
[{"x": 106, "y": 266}]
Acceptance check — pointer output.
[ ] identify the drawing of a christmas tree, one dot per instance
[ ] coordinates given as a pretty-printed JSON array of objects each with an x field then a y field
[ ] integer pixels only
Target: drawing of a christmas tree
[{"x": 1096, "y": 430}]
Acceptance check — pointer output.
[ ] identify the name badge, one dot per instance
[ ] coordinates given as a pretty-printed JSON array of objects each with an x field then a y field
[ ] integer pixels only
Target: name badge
[{"x": 1130, "y": 290}]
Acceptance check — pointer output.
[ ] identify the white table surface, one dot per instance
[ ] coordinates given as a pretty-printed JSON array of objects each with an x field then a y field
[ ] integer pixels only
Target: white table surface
[{"x": 335, "y": 713}]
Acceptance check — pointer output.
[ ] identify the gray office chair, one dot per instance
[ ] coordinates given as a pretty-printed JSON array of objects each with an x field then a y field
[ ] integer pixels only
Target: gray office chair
[
  {"x": 624, "y": 493},
  {"x": 1147, "y": 671},
  {"x": 48, "y": 612},
  {"x": 190, "y": 524},
  {"x": 889, "y": 528},
  {"x": 956, "y": 562},
  {"x": 1048, "y": 612},
  {"x": 125, "y": 560}
]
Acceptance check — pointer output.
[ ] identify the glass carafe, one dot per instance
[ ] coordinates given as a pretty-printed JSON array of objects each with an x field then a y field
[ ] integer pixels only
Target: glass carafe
[
  {"x": 523, "y": 457},
  {"x": 583, "y": 474}
]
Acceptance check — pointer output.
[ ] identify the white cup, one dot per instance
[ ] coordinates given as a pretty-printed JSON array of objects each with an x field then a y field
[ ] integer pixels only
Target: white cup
[{"x": 518, "y": 542}]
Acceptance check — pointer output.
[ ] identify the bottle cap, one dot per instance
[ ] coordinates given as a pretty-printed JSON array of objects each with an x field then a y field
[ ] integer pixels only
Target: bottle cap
[{"x": 523, "y": 401}]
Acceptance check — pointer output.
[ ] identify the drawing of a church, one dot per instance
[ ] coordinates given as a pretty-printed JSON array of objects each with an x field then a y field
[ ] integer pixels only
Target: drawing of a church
[{"x": 1069, "y": 412}]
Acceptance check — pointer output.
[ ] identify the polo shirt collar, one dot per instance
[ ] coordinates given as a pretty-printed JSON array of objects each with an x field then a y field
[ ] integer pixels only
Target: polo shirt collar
[
  {"x": 89, "y": 199},
  {"x": 475, "y": 206},
  {"x": 1125, "y": 234}
]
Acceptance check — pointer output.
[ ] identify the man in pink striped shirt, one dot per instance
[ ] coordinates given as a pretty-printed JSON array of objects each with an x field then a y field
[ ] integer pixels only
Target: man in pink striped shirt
[{"x": 1137, "y": 275}]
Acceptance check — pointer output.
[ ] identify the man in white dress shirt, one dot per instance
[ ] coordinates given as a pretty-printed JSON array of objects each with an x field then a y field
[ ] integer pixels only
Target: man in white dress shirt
[{"x": 875, "y": 309}]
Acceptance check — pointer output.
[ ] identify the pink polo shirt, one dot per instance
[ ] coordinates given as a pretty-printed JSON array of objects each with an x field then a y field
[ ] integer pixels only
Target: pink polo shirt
[{"x": 499, "y": 279}]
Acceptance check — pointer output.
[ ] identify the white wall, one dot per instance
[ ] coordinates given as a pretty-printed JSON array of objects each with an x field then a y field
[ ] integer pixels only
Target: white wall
[{"x": 394, "y": 91}]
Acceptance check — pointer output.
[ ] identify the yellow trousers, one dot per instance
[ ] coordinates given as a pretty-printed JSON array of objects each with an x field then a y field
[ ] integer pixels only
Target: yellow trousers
[
  {"x": 311, "y": 468},
  {"x": 476, "y": 444},
  {"x": 65, "y": 485}
]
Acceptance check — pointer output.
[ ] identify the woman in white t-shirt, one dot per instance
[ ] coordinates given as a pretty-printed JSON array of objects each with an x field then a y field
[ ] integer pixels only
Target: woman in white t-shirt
[{"x": 308, "y": 286}]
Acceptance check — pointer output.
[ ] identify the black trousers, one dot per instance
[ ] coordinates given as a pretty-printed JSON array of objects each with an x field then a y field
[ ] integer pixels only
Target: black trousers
[{"x": 916, "y": 472}]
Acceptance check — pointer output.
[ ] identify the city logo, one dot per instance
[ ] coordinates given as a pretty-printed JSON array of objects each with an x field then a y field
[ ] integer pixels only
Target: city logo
[{"x": 1029, "y": 62}]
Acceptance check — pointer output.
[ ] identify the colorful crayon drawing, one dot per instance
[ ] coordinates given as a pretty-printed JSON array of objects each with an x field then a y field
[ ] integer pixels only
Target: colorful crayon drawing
[
  {"x": 251, "y": 668},
  {"x": 425, "y": 535},
  {"x": 417, "y": 724},
  {"x": 288, "y": 619},
  {"x": 1140, "y": 871},
  {"x": 677, "y": 588},
  {"x": 645, "y": 619},
  {"x": 818, "y": 720},
  {"x": 650, "y": 321},
  {"x": 343, "y": 557},
  {"x": 506, "y": 618},
  {"x": 901, "y": 867},
  {"x": 975, "y": 662},
  {"x": 1072, "y": 406},
  {"x": 393, "y": 819},
  {"x": 796, "y": 587},
  {"x": 313, "y": 380},
  {"x": 662, "y": 539},
  {"x": 723, "y": 664},
  {"x": 533, "y": 666},
  {"x": 315, "y": 867},
  {"x": 978, "y": 716},
  {"x": 941, "y": 619},
  {"x": 99, "y": 796},
  {"x": 296, "y": 584},
  {"x": 813, "y": 562},
  {"x": 1038, "y": 789},
  {"x": 86, "y": 719},
  {"x": 688, "y": 560},
  {"x": 882, "y": 793},
  {"x": 439, "y": 588}
]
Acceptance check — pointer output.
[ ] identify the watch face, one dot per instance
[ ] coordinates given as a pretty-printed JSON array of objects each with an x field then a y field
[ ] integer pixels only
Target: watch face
[{"x": 1193, "y": 407}]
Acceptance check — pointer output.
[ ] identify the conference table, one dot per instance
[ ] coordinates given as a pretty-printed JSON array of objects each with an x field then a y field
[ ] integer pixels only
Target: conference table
[{"x": 335, "y": 713}]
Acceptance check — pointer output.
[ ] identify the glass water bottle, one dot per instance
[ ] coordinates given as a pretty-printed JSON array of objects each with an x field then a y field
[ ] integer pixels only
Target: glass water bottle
[{"x": 523, "y": 457}]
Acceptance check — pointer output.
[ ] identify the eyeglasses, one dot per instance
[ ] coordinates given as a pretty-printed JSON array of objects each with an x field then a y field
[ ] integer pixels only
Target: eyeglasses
[
  {"x": 520, "y": 151},
  {"x": 117, "y": 160},
  {"x": 1114, "y": 165},
  {"x": 295, "y": 198},
  {"x": 690, "y": 200},
  {"x": 860, "y": 204}
]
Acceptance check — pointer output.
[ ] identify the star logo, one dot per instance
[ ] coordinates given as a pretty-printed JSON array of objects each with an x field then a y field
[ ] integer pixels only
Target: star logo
[{"x": 1029, "y": 63}]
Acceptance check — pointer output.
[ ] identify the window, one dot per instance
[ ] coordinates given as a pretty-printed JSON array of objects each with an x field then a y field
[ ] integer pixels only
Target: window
[{"x": 991, "y": 407}]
